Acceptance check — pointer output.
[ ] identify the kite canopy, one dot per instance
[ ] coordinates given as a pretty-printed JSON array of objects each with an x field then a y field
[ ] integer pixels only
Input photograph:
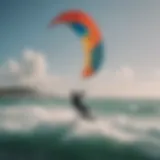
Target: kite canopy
[{"x": 90, "y": 35}]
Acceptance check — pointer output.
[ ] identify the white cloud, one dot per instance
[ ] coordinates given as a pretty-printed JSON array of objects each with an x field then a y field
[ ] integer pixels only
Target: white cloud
[
  {"x": 13, "y": 66},
  {"x": 125, "y": 73},
  {"x": 124, "y": 82},
  {"x": 31, "y": 70},
  {"x": 34, "y": 63}
]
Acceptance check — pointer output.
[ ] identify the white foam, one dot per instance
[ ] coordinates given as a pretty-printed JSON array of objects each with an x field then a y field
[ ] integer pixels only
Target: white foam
[
  {"x": 105, "y": 127},
  {"x": 27, "y": 118},
  {"x": 118, "y": 126}
]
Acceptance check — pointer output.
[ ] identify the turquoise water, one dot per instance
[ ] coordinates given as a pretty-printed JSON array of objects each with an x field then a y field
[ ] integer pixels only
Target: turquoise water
[{"x": 49, "y": 129}]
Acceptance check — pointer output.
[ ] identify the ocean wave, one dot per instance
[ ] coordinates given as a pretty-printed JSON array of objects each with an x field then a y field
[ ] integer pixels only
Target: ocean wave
[
  {"x": 63, "y": 122},
  {"x": 27, "y": 118}
]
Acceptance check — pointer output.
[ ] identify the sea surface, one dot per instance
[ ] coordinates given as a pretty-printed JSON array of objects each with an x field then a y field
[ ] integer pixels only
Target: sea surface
[{"x": 50, "y": 129}]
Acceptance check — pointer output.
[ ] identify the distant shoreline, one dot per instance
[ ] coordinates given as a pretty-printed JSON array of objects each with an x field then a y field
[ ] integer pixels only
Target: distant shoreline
[{"x": 19, "y": 92}]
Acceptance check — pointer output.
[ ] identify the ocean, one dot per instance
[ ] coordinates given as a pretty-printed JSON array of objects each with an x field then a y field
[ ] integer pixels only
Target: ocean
[{"x": 50, "y": 129}]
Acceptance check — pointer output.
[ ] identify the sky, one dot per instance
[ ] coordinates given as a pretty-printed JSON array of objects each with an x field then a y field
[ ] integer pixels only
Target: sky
[{"x": 131, "y": 31}]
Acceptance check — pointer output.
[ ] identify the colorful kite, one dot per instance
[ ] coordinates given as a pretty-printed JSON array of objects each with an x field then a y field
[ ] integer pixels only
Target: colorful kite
[{"x": 88, "y": 31}]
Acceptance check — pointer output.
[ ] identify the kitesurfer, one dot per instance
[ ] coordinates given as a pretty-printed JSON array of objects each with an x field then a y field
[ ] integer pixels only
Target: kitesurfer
[
  {"x": 93, "y": 49},
  {"x": 76, "y": 100}
]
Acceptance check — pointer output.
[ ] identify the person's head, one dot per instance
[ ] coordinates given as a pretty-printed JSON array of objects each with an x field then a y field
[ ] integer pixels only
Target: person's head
[
  {"x": 74, "y": 93},
  {"x": 77, "y": 93}
]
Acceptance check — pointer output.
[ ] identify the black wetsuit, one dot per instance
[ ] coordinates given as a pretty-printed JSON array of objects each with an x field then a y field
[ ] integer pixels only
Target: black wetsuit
[{"x": 77, "y": 103}]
